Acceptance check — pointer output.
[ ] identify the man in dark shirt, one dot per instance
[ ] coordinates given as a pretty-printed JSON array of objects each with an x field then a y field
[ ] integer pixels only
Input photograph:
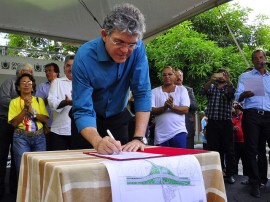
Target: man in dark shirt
[
  {"x": 220, "y": 93},
  {"x": 192, "y": 109}
]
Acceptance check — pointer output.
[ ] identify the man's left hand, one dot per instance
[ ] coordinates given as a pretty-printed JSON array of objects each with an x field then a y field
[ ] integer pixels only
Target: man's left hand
[{"x": 133, "y": 146}]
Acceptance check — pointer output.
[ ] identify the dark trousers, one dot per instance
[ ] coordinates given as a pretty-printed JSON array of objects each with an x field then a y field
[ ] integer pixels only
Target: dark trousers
[
  {"x": 48, "y": 142},
  {"x": 191, "y": 132},
  {"x": 240, "y": 153},
  {"x": 262, "y": 161},
  {"x": 190, "y": 142},
  {"x": 220, "y": 139},
  {"x": 256, "y": 128},
  {"x": 77, "y": 140},
  {"x": 118, "y": 125},
  {"x": 60, "y": 142},
  {"x": 6, "y": 137}
]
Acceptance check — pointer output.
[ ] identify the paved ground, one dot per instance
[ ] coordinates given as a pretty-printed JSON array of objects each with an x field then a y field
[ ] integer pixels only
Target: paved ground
[
  {"x": 240, "y": 193},
  {"x": 240, "y": 167}
]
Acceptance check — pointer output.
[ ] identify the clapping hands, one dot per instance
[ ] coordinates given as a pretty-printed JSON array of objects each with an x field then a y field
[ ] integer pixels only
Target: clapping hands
[
  {"x": 169, "y": 102},
  {"x": 28, "y": 102}
]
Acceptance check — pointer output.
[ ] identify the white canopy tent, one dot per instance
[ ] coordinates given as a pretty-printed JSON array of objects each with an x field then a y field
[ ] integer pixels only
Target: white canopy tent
[
  {"x": 73, "y": 20},
  {"x": 69, "y": 20}
]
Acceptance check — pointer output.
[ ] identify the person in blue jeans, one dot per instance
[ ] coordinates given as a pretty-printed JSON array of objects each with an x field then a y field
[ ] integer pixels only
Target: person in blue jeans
[
  {"x": 27, "y": 114},
  {"x": 7, "y": 93}
]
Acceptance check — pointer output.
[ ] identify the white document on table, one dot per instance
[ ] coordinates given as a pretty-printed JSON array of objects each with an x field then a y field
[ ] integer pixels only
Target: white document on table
[
  {"x": 168, "y": 179},
  {"x": 255, "y": 85},
  {"x": 128, "y": 155}
]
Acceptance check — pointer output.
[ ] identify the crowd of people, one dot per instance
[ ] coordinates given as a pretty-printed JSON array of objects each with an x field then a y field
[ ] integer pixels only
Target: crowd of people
[
  {"x": 92, "y": 98},
  {"x": 238, "y": 122}
]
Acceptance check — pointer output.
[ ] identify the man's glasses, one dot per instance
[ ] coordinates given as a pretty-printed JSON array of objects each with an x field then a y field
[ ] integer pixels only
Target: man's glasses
[
  {"x": 121, "y": 44},
  {"x": 27, "y": 83},
  {"x": 169, "y": 74}
]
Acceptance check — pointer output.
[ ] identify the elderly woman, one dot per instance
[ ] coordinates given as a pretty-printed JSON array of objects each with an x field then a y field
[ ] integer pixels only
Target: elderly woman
[{"x": 27, "y": 114}]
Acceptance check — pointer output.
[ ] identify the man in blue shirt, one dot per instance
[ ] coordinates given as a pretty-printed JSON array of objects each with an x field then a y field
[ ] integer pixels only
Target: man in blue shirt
[
  {"x": 52, "y": 72},
  {"x": 256, "y": 118},
  {"x": 104, "y": 71}
]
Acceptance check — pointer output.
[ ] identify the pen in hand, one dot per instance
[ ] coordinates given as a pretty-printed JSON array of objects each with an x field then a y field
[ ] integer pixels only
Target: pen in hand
[{"x": 110, "y": 134}]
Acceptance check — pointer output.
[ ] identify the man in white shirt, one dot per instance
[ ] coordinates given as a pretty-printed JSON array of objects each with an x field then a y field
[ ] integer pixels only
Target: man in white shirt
[
  {"x": 170, "y": 103},
  {"x": 60, "y": 102}
]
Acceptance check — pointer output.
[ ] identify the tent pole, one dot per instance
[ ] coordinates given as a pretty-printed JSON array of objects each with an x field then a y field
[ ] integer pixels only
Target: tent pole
[{"x": 235, "y": 41}]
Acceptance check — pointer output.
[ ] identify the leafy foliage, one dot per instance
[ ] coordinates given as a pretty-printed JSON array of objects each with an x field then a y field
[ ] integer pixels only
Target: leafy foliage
[
  {"x": 203, "y": 44},
  {"x": 36, "y": 47},
  {"x": 212, "y": 23}
]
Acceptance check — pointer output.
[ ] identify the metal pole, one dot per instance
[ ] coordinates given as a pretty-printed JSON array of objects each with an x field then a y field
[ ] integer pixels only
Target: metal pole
[{"x": 235, "y": 41}]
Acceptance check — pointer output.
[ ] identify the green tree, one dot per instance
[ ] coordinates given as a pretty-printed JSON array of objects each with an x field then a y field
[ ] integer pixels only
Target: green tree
[
  {"x": 203, "y": 44},
  {"x": 194, "y": 54},
  {"x": 37, "y": 47},
  {"x": 261, "y": 33},
  {"x": 212, "y": 24}
]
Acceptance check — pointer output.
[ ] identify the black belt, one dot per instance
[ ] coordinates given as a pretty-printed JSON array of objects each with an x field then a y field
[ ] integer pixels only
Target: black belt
[{"x": 261, "y": 112}]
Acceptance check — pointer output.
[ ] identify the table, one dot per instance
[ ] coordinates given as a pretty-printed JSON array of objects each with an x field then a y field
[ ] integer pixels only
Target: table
[{"x": 68, "y": 176}]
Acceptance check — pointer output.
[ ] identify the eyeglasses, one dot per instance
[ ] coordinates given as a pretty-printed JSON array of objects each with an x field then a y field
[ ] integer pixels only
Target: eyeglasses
[
  {"x": 169, "y": 74},
  {"x": 27, "y": 83},
  {"x": 121, "y": 44}
]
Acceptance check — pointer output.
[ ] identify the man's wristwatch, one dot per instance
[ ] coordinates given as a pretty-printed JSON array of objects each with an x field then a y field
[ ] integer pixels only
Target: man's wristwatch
[{"x": 140, "y": 138}]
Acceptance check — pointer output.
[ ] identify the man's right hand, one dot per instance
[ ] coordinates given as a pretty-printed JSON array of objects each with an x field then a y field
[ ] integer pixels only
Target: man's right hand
[
  {"x": 169, "y": 103},
  {"x": 245, "y": 94},
  {"x": 108, "y": 145},
  {"x": 105, "y": 145}
]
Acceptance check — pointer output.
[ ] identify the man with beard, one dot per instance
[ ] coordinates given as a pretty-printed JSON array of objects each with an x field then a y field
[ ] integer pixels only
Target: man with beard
[
  {"x": 220, "y": 93},
  {"x": 256, "y": 120}
]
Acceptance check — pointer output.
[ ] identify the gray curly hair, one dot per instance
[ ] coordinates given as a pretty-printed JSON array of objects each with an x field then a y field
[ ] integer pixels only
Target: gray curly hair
[
  {"x": 24, "y": 66},
  {"x": 125, "y": 18}
]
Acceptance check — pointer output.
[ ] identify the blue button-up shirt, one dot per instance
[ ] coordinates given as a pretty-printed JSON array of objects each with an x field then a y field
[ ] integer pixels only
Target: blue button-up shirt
[
  {"x": 101, "y": 86},
  {"x": 255, "y": 102},
  {"x": 43, "y": 92}
]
